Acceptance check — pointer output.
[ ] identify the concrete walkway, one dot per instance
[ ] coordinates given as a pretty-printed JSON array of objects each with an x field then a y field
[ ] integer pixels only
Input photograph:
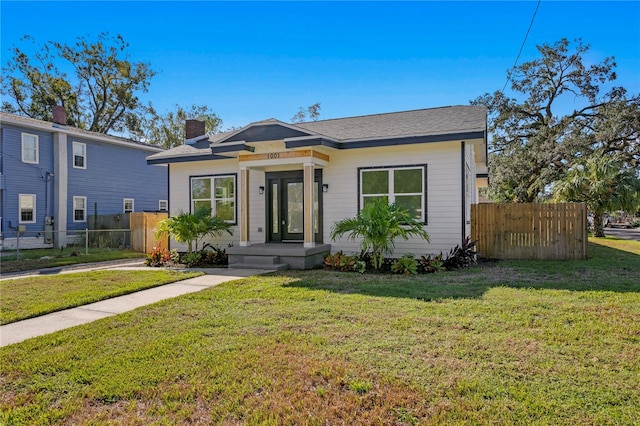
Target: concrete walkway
[{"x": 45, "y": 324}]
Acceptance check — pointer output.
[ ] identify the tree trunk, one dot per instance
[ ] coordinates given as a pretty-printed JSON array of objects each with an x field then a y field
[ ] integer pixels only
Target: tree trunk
[{"x": 598, "y": 229}]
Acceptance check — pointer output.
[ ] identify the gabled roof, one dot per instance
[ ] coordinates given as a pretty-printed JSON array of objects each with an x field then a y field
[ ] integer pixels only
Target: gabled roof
[
  {"x": 264, "y": 130},
  {"x": 417, "y": 126}
]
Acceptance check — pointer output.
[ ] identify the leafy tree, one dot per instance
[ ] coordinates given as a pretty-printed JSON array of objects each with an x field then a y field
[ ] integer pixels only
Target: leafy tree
[
  {"x": 167, "y": 130},
  {"x": 378, "y": 225},
  {"x": 312, "y": 112},
  {"x": 603, "y": 184},
  {"x": 94, "y": 80},
  {"x": 191, "y": 228},
  {"x": 532, "y": 145}
]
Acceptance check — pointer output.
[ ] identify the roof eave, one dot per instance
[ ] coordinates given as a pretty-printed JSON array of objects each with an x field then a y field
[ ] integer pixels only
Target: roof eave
[{"x": 32, "y": 123}]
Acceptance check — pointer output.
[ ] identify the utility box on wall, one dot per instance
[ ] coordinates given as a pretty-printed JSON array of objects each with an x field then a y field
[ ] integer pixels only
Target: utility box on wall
[{"x": 48, "y": 230}]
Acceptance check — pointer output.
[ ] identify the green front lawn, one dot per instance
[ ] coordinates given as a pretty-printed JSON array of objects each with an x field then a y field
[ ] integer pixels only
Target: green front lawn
[
  {"x": 49, "y": 258},
  {"x": 509, "y": 343},
  {"x": 24, "y": 298}
]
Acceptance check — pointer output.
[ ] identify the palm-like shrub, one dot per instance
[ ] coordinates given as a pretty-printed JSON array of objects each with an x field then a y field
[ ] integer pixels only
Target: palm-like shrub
[
  {"x": 191, "y": 228},
  {"x": 604, "y": 184},
  {"x": 378, "y": 225}
]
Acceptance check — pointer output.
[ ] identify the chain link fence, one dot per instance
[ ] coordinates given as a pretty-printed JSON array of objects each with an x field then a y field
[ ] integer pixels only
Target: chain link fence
[{"x": 81, "y": 241}]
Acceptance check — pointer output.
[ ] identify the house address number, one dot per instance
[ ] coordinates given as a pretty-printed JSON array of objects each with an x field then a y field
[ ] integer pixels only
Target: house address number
[{"x": 284, "y": 155}]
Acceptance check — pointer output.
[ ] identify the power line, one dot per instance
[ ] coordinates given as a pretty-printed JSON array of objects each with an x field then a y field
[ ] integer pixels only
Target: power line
[{"x": 521, "y": 47}]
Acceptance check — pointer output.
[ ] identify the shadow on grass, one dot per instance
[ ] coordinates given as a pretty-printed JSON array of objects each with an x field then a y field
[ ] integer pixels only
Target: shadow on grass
[{"x": 607, "y": 269}]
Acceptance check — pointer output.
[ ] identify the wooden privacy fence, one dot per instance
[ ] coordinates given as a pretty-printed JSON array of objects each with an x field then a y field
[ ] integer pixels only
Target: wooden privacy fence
[
  {"x": 143, "y": 231},
  {"x": 108, "y": 221},
  {"x": 530, "y": 231}
]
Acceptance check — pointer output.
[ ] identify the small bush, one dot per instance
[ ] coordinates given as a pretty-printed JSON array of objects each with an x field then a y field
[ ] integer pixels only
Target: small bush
[
  {"x": 406, "y": 265},
  {"x": 461, "y": 256},
  {"x": 214, "y": 255},
  {"x": 161, "y": 257},
  {"x": 360, "y": 266},
  {"x": 431, "y": 264},
  {"x": 191, "y": 259},
  {"x": 341, "y": 262}
]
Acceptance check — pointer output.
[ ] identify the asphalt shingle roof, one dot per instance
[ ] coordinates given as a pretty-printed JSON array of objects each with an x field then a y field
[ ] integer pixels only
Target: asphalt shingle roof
[
  {"x": 430, "y": 121},
  {"x": 422, "y": 122}
]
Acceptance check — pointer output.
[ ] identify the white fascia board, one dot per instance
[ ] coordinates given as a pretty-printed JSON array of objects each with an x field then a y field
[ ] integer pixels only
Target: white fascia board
[
  {"x": 227, "y": 143},
  {"x": 184, "y": 154},
  {"x": 196, "y": 139}
]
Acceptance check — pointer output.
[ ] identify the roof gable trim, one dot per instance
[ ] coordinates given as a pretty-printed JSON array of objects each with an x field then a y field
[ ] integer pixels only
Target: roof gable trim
[{"x": 269, "y": 127}]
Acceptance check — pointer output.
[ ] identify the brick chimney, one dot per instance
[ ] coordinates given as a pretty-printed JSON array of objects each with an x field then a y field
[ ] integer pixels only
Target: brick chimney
[
  {"x": 194, "y": 128},
  {"x": 59, "y": 115}
]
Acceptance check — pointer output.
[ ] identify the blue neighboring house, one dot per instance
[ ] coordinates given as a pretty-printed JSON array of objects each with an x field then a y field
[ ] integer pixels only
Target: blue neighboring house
[{"x": 53, "y": 177}]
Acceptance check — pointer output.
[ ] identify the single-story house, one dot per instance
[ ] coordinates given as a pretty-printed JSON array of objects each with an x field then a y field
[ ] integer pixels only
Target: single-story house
[{"x": 284, "y": 185}]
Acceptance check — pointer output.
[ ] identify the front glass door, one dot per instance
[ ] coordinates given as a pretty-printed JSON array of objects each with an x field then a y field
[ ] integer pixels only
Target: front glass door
[
  {"x": 285, "y": 206},
  {"x": 293, "y": 200}
]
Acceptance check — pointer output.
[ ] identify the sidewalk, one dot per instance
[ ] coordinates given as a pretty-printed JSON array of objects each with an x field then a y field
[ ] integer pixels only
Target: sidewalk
[
  {"x": 45, "y": 324},
  {"x": 78, "y": 267}
]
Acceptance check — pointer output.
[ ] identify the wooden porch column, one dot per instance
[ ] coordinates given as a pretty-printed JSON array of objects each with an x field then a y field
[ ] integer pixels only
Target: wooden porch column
[
  {"x": 244, "y": 207},
  {"x": 309, "y": 184}
]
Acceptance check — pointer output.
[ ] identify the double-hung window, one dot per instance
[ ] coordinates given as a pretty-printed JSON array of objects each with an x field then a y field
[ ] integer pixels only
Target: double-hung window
[
  {"x": 403, "y": 185},
  {"x": 27, "y": 208},
  {"x": 216, "y": 193},
  {"x": 127, "y": 205},
  {"x": 79, "y": 209},
  {"x": 79, "y": 155},
  {"x": 30, "y": 148}
]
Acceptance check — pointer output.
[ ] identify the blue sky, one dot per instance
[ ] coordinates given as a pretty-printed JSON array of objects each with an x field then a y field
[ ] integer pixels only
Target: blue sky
[{"x": 252, "y": 61}]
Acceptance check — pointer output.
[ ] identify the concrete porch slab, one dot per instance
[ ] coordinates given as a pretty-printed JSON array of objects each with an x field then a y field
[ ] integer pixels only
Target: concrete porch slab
[{"x": 294, "y": 254}]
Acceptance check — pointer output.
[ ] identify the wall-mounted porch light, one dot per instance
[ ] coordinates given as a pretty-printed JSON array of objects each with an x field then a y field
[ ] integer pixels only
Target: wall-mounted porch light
[
  {"x": 261, "y": 190},
  {"x": 325, "y": 187}
]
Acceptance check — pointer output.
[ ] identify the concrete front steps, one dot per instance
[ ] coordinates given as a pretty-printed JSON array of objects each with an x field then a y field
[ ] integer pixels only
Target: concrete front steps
[
  {"x": 260, "y": 262},
  {"x": 276, "y": 255}
]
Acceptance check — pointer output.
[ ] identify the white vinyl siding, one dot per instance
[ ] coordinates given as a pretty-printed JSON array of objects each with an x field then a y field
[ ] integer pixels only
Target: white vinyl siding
[
  {"x": 443, "y": 195},
  {"x": 79, "y": 155},
  {"x": 27, "y": 208},
  {"x": 181, "y": 201},
  {"x": 79, "y": 209},
  {"x": 30, "y": 148}
]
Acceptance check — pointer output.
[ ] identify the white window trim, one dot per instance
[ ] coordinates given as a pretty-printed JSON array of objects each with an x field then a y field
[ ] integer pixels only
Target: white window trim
[
  {"x": 20, "y": 208},
  {"x": 73, "y": 155},
  {"x": 392, "y": 195},
  {"x": 124, "y": 205},
  {"x": 166, "y": 203},
  {"x": 84, "y": 211},
  {"x": 37, "y": 138},
  {"x": 213, "y": 198}
]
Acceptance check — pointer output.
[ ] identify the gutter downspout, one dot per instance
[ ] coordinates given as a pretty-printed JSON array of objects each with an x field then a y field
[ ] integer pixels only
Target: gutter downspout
[{"x": 463, "y": 191}]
